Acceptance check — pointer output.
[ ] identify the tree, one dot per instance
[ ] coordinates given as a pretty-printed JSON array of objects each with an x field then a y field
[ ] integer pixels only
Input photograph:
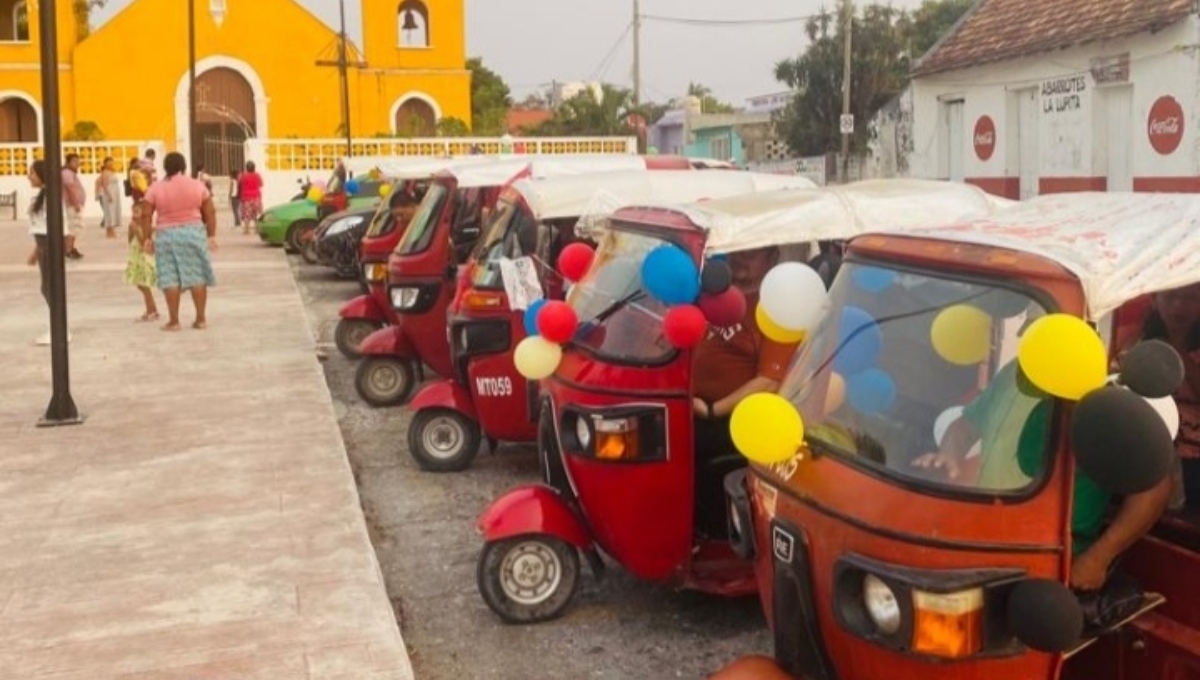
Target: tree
[
  {"x": 884, "y": 43},
  {"x": 85, "y": 131},
  {"x": 585, "y": 114},
  {"x": 83, "y": 16},
  {"x": 708, "y": 103},
  {"x": 452, "y": 127},
  {"x": 490, "y": 99}
]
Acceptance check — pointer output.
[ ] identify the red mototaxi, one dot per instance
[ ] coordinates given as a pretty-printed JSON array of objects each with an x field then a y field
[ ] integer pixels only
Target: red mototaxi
[
  {"x": 615, "y": 429},
  {"x": 871, "y": 570}
]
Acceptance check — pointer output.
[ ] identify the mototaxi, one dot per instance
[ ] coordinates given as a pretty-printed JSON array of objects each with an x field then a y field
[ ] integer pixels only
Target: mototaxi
[
  {"x": 870, "y": 566},
  {"x": 367, "y": 313},
  {"x": 486, "y": 396},
  {"x": 422, "y": 270},
  {"x": 615, "y": 431}
]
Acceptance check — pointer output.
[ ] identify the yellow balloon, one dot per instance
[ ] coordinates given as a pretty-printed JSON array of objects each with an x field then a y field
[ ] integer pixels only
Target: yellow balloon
[
  {"x": 766, "y": 428},
  {"x": 774, "y": 331},
  {"x": 537, "y": 357},
  {"x": 962, "y": 335},
  {"x": 1063, "y": 356},
  {"x": 315, "y": 195},
  {"x": 385, "y": 190}
]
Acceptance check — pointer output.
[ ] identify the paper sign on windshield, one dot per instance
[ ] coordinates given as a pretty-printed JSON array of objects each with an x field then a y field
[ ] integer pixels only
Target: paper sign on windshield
[{"x": 520, "y": 282}]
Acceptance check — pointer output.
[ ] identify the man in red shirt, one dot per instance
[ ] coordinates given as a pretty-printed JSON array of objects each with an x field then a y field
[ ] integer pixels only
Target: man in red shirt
[{"x": 729, "y": 365}]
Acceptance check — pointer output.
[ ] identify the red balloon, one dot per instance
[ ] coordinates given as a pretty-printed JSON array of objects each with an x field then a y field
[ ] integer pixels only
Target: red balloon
[
  {"x": 753, "y": 667},
  {"x": 724, "y": 309},
  {"x": 685, "y": 326},
  {"x": 575, "y": 260},
  {"x": 557, "y": 322}
]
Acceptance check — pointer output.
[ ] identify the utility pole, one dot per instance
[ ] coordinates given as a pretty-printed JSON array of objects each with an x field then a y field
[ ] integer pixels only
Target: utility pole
[
  {"x": 61, "y": 410},
  {"x": 848, "y": 31},
  {"x": 345, "y": 79},
  {"x": 637, "y": 53},
  {"x": 193, "y": 141}
]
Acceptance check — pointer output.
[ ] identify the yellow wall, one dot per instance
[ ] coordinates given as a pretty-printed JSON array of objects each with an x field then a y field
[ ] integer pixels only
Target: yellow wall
[
  {"x": 125, "y": 76},
  {"x": 22, "y": 62}
]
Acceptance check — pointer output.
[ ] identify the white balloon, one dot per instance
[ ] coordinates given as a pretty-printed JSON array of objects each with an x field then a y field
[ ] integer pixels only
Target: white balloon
[
  {"x": 1168, "y": 410},
  {"x": 944, "y": 421},
  {"x": 792, "y": 294}
]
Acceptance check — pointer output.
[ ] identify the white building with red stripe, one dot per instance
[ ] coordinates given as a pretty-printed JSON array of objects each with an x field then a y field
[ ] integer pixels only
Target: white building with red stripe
[{"x": 1027, "y": 97}]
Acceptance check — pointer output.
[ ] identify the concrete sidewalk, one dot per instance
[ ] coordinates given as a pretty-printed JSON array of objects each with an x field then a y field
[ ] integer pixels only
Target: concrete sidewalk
[{"x": 203, "y": 523}]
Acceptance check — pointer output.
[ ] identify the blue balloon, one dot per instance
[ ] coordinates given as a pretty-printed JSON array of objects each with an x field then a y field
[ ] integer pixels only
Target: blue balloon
[
  {"x": 352, "y": 186},
  {"x": 531, "y": 316},
  {"x": 872, "y": 391},
  {"x": 859, "y": 342},
  {"x": 873, "y": 279},
  {"x": 669, "y": 274}
]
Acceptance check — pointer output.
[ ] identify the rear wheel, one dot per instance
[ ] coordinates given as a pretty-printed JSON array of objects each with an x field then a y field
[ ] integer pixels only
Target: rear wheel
[
  {"x": 384, "y": 381},
  {"x": 350, "y": 333},
  {"x": 300, "y": 234},
  {"x": 528, "y": 579},
  {"x": 442, "y": 440}
]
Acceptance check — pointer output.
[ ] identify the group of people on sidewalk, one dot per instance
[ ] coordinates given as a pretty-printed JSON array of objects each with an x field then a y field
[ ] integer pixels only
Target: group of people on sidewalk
[{"x": 171, "y": 234}]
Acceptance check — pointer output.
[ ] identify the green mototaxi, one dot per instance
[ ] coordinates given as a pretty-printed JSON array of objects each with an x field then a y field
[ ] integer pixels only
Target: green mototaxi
[{"x": 286, "y": 223}]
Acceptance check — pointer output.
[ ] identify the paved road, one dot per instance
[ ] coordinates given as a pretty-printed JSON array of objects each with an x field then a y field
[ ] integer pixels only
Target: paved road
[{"x": 422, "y": 526}]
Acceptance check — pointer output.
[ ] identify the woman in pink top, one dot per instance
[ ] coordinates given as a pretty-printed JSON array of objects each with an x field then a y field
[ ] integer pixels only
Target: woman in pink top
[
  {"x": 184, "y": 234},
  {"x": 250, "y": 185}
]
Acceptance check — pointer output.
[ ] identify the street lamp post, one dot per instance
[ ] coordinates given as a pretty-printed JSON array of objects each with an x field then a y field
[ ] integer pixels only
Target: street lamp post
[
  {"x": 193, "y": 136},
  {"x": 61, "y": 410}
]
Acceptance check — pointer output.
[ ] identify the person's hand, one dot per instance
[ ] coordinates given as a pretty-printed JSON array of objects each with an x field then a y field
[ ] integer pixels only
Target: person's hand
[
  {"x": 32, "y": 259},
  {"x": 212, "y": 243},
  {"x": 1089, "y": 571},
  {"x": 938, "y": 461},
  {"x": 148, "y": 246},
  {"x": 699, "y": 408}
]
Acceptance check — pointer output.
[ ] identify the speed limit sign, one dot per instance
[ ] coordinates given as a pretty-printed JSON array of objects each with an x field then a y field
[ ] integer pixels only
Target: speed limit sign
[{"x": 847, "y": 124}]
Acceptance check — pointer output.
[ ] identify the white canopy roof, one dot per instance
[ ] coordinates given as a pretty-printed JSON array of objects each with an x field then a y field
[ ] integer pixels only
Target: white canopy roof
[
  {"x": 601, "y": 194},
  {"x": 421, "y": 167},
  {"x": 833, "y": 212},
  {"x": 1119, "y": 245},
  {"x": 499, "y": 172}
]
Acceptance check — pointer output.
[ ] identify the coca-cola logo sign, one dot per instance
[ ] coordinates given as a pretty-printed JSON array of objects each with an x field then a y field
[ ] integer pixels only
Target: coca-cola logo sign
[
  {"x": 985, "y": 138},
  {"x": 1165, "y": 125}
]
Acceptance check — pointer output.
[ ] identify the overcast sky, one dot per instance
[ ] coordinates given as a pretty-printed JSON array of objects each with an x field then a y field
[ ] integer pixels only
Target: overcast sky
[{"x": 533, "y": 42}]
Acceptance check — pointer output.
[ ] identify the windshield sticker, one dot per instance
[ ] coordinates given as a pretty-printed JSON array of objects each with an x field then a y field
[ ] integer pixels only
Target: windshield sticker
[{"x": 520, "y": 282}]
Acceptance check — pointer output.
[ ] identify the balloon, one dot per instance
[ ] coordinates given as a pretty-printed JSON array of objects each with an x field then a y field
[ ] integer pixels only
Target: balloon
[
  {"x": 669, "y": 274},
  {"x": 766, "y": 428},
  {"x": 1044, "y": 615},
  {"x": 835, "y": 395},
  {"x": 556, "y": 321},
  {"x": 1152, "y": 368},
  {"x": 962, "y": 335},
  {"x": 536, "y": 357},
  {"x": 871, "y": 391},
  {"x": 685, "y": 326},
  {"x": 792, "y": 294},
  {"x": 385, "y": 190},
  {"x": 716, "y": 277},
  {"x": 1003, "y": 304},
  {"x": 575, "y": 260},
  {"x": 859, "y": 342},
  {"x": 315, "y": 194},
  {"x": 773, "y": 331},
  {"x": 1120, "y": 441},
  {"x": 352, "y": 186},
  {"x": 320, "y": 184},
  {"x": 944, "y": 421},
  {"x": 1063, "y": 356},
  {"x": 723, "y": 309},
  {"x": 753, "y": 667},
  {"x": 531, "y": 315},
  {"x": 1168, "y": 410},
  {"x": 873, "y": 279}
]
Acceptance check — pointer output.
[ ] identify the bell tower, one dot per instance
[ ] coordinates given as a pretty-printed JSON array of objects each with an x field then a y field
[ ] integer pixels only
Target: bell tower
[{"x": 414, "y": 34}]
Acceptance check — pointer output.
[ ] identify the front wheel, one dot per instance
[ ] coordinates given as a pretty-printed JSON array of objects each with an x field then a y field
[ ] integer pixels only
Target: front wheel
[
  {"x": 300, "y": 234},
  {"x": 350, "y": 333},
  {"x": 528, "y": 579},
  {"x": 384, "y": 381},
  {"x": 442, "y": 440}
]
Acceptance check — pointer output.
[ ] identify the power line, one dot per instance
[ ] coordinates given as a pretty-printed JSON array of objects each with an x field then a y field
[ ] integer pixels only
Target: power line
[
  {"x": 606, "y": 62},
  {"x": 688, "y": 21}
]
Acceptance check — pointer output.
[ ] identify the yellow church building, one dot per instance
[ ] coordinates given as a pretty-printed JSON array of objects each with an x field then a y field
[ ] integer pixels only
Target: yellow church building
[{"x": 265, "y": 70}]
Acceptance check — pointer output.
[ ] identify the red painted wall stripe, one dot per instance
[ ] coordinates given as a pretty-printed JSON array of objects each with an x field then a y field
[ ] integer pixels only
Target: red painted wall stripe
[
  {"x": 1006, "y": 187},
  {"x": 1062, "y": 185},
  {"x": 1172, "y": 185}
]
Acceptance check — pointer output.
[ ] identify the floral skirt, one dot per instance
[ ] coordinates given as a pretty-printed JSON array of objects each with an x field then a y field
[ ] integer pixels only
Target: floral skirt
[
  {"x": 140, "y": 270},
  {"x": 251, "y": 209},
  {"x": 181, "y": 257}
]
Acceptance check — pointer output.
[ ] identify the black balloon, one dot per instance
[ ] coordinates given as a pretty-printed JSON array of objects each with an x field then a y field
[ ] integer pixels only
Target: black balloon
[
  {"x": 1153, "y": 369},
  {"x": 1044, "y": 615},
  {"x": 1120, "y": 441},
  {"x": 716, "y": 277}
]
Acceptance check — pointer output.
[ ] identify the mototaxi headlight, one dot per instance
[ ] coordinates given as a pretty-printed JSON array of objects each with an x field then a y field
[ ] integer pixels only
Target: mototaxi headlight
[
  {"x": 881, "y": 605},
  {"x": 404, "y": 298},
  {"x": 374, "y": 272},
  {"x": 343, "y": 225},
  {"x": 583, "y": 434}
]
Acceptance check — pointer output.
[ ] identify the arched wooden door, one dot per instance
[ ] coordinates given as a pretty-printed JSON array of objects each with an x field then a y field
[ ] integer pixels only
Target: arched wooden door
[
  {"x": 18, "y": 122},
  {"x": 225, "y": 119},
  {"x": 416, "y": 118}
]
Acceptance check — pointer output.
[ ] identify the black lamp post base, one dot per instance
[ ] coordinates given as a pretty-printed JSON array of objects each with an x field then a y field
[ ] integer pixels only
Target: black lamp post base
[{"x": 61, "y": 412}]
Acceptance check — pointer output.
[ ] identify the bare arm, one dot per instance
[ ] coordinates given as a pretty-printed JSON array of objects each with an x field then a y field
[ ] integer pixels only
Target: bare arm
[
  {"x": 955, "y": 443},
  {"x": 209, "y": 214},
  {"x": 1138, "y": 513}
]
